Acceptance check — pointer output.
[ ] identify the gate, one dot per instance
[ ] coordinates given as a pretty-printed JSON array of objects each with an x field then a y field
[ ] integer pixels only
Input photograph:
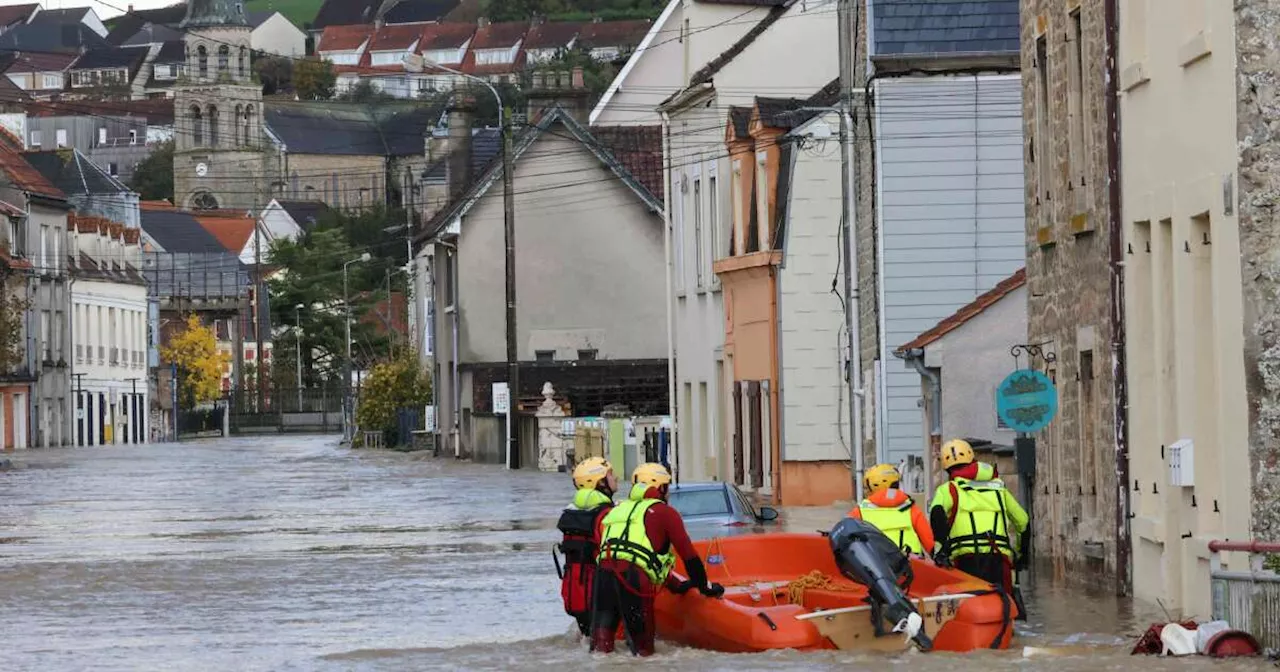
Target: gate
[{"x": 1248, "y": 600}]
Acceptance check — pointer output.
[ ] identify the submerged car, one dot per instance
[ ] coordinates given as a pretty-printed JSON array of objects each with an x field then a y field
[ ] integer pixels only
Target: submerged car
[{"x": 716, "y": 509}]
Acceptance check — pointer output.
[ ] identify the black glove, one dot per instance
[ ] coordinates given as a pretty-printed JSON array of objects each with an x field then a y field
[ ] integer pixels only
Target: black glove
[
  {"x": 712, "y": 590},
  {"x": 682, "y": 588},
  {"x": 1021, "y": 564},
  {"x": 941, "y": 559}
]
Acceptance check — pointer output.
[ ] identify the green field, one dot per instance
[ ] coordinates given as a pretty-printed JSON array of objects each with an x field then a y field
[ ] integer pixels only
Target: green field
[{"x": 300, "y": 12}]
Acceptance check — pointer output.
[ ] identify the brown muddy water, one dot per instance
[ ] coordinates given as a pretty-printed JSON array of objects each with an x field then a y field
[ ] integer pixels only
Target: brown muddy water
[{"x": 292, "y": 553}]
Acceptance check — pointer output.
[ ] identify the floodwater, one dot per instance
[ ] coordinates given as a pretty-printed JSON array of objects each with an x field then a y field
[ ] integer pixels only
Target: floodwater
[{"x": 292, "y": 553}]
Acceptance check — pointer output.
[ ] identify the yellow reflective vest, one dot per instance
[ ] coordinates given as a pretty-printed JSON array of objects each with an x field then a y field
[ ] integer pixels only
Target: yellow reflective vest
[
  {"x": 624, "y": 538},
  {"x": 981, "y": 519},
  {"x": 895, "y": 522}
]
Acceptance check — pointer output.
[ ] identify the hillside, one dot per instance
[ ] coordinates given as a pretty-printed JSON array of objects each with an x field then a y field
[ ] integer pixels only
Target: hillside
[{"x": 300, "y": 12}]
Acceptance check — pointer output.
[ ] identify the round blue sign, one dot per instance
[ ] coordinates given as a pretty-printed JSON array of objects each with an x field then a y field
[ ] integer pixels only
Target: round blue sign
[{"x": 1026, "y": 400}]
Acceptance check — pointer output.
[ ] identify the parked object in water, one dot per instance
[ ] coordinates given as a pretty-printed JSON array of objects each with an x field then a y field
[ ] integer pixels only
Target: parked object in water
[
  {"x": 715, "y": 509},
  {"x": 760, "y": 610},
  {"x": 1215, "y": 639}
]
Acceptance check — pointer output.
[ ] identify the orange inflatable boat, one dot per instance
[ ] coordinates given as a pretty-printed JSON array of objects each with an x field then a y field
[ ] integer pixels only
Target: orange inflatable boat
[{"x": 785, "y": 591}]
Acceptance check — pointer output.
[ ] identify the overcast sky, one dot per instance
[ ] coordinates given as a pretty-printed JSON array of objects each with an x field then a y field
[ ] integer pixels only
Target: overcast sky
[{"x": 105, "y": 8}]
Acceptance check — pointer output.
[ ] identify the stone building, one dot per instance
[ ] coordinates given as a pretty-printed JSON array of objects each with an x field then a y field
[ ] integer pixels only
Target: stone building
[
  {"x": 1069, "y": 272},
  {"x": 217, "y": 160},
  {"x": 1198, "y": 160}
]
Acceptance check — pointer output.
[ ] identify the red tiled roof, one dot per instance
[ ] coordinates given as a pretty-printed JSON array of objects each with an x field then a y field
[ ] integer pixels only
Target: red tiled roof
[
  {"x": 499, "y": 35},
  {"x": 394, "y": 38},
  {"x": 638, "y": 149},
  {"x": 343, "y": 38},
  {"x": 27, "y": 61},
  {"x": 613, "y": 33},
  {"x": 445, "y": 35},
  {"x": 232, "y": 232},
  {"x": 7, "y": 208},
  {"x": 968, "y": 312},
  {"x": 26, "y": 178},
  {"x": 554, "y": 35},
  {"x": 156, "y": 205}
]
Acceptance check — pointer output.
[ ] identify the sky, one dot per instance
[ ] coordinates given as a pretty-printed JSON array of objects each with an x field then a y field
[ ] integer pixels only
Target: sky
[{"x": 105, "y": 8}]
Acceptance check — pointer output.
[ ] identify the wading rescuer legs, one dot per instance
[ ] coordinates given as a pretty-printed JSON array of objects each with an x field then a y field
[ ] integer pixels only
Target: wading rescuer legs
[
  {"x": 580, "y": 526},
  {"x": 639, "y": 542}
]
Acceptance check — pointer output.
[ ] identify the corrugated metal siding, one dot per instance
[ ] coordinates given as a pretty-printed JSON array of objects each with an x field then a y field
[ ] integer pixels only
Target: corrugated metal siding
[{"x": 951, "y": 212}]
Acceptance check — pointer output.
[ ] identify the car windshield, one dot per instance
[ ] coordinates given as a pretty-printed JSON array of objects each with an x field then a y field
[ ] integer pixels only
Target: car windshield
[{"x": 700, "y": 502}]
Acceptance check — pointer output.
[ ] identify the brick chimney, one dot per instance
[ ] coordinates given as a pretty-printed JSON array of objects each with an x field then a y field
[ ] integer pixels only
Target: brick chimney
[
  {"x": 451, "y": 145},
  {"x": 565, "y": 88}
]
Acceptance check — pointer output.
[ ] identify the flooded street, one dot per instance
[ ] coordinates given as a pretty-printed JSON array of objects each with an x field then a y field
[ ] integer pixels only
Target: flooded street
[{"x": 291, "y": 553}]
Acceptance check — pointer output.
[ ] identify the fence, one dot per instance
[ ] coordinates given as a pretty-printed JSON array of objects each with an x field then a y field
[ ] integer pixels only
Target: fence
[
  {"x": 200, "y": 421},
  {"x": 1248, "y": 600},
  {"x": 287, "y": 410}
]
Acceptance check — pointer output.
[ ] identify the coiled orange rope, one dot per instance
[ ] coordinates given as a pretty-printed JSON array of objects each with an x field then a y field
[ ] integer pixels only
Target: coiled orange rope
[{"x": 814, "y": 580}]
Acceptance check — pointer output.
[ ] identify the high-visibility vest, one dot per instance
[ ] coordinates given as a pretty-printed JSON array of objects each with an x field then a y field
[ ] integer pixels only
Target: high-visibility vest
[
  {"x": 895, "y": 522},
  {"x": 980, "y": 523},
  {"x": 624, "y": 538}
]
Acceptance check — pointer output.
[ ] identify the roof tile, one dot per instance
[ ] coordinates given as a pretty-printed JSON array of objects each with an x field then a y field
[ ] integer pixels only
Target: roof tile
[
  {"x": 25, "y": 177},
  {"x": 967, "y": 312},
  {"x": 344, "y": 38},
  {"x": 499, "y": 35},
  {"x": 924, "y": 27},
  {"x": 232, "y": 232},
  {"x": 638, "y": 149},
  {"x": 613, "y": 33},
  {"x": 445, "y": 35},
  {"x": 552, "y": 35}
]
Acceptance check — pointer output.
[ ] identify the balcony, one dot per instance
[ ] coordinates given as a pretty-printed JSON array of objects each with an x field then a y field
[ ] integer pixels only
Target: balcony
[
  {"x": 115, "y": 356},
  {"x": 79, "y": 353}
]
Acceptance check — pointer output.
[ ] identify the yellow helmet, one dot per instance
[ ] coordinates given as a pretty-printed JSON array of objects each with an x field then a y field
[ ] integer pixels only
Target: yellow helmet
[
  {"x": 880, "y": 477},
  {"x": 956, "y": 453},
  {"x": 590, "y": 472},
  {"x": 652, "y": 474}
]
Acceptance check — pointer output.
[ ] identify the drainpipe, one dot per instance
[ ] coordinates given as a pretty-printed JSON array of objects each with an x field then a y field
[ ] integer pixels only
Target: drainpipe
[
  {"x": 915, "y": 358},
  {"x": 1123, "y": 583},
  {"x": 668, "y": 298}
]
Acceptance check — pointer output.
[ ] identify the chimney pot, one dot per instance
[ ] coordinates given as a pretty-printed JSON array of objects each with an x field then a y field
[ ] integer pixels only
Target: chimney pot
[
  {"x": 578, "y": 81},
  {"x": 130, "y": 10}
]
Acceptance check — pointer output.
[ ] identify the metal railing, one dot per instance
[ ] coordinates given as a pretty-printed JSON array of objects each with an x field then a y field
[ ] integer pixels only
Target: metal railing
[{"x": 1248, "y": 600}]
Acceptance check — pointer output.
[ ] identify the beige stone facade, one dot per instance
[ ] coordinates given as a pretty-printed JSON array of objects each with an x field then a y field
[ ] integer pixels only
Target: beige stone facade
[
  {"x": 1069, "y": 278},
  {"x": 344, "y": 182}
]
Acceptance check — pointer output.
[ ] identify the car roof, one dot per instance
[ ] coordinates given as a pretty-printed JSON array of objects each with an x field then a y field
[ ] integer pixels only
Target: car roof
[{"x": 709, "y": 485}]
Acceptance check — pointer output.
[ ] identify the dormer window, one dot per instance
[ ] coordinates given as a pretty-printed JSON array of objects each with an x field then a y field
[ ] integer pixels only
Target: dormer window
[{"x": 496, "y": 56}]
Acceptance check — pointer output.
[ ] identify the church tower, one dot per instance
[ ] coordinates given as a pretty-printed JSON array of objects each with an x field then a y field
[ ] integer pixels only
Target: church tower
[{"x": 219, "y": 159}]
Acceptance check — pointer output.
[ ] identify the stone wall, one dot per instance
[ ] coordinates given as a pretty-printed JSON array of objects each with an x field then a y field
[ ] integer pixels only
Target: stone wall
[
  {"x": 1258, "y": 105},
  {"x": 1069, "y": 300},
  {"x": 865, "y": 220}
]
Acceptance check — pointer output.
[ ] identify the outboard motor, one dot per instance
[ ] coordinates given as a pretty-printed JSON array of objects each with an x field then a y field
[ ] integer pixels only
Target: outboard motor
[{"x": 864, "y": 554}]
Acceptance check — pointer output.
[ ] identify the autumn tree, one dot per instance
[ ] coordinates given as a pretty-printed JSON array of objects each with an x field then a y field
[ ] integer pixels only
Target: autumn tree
[
  {"x": 12, "y": 309},
  {"x": 314, "y": 79},
  {"x": 195, "y": 351},
  {"x": 392, "y": 385},
  {"x": 153, "y": 178}
]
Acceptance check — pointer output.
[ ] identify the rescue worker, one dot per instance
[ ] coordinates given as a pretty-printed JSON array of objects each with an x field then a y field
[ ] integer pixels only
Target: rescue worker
[
  {"x": 976, "y": 520},
  {"x": 580, "y": 524},
  {"x": 639, "y": 542},
  {"x": 893, "y": 511}
]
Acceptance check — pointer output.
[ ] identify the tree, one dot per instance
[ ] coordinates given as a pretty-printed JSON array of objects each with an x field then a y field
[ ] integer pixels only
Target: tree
[
  {"x": 314, "y": 79},
  {"x": 153, "y": 178},
  {"x": 392, "y": 385},
  {"x": 12, "y": 308},
  {"x": 365, "y": 92},
  {"x": 275, "y": 72},
  {"x": 200, "y": 365}
]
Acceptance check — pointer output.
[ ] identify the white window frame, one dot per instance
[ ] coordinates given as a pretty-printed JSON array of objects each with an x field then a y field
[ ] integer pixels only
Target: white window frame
[
  {"x": 713, "y": 222},
  {"x": 60, "y": 138},
  {"x": 677, "y": 234},
  {"x": 102, "y": 136},
  {"x": 37, "y": 139},
  {"x": 699, "y": 246},
  {"x": 48, "y": 81}
]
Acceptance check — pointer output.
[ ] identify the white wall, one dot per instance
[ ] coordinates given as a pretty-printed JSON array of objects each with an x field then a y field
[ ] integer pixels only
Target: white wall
[
  {"x": 105, "y": 388},
  {"x": 277, "y": 35},
  {"x": 949, "y": 157}
]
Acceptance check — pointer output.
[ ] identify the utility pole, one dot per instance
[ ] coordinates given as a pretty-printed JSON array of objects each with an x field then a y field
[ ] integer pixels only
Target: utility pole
[
  {"x": 848, "y": 12},
  {"x": 509, "y": 229},
  {"x": 257, "y": 299},
  {"x": 81, "y": 416}
]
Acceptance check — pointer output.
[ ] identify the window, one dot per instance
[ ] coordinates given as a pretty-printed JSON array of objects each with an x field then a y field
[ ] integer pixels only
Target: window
[
  {"x": 133, "y": 136},
  {"x": 697, "y": 230},
  {"x": 59, "y": 324},
  {"x": 202, "y": 58},
  {"x": 102, "y": 136},
  {"x": 443, "y": 55},
  {"x": 113, "y": 169},
  {"x": 224, "y": 59},
  {"x": 55, "y": 265},
  {"x": 244, "y": 59},
  {"x": 44, "y": 248},
  {"x": 762, "y": 201},
  {"x": 713, "y": 218},
  {"x": 1042, "y": 144},
  {"x": 1088, "y": 416},
  {"x": 213, "y": 126},
  {"x": 61, "y": 137},
  {"x": 235, "y": 127},
  {"x": 197, "y": 125},
  {"x": 51, "y": 81},
  {"x": 248, "y": 126},
  {"x": 16, "y": 248},
  {"x": 493, "y": 56},
  {"x": 46, "y": 326},
  {"x": 545, "y": 355},
  {"x": 36, "y": 139},
  {"x": 1075, "y": 103},
  {"x": 587, "y": 355},
  {"x": 710, "y": 502}
]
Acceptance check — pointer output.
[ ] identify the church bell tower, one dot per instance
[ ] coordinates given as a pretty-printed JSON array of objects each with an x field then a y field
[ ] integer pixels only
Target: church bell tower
[{"x": 218, "y": 158}]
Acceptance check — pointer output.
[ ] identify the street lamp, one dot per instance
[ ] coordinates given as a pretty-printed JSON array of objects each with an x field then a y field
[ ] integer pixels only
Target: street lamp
[
  {"x": 416, "y": 63},
  {"x": 346, "y": 309},
  {"x": 297, "y": 338}
]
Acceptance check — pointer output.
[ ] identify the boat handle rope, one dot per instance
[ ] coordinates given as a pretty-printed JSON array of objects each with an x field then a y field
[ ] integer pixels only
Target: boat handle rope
[{"x": 772, "y": 625}]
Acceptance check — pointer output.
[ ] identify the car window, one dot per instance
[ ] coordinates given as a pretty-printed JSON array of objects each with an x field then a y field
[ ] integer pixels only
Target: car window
[
  {"x": 747, "y": 507},
  {"x": 700, "y": 502}
]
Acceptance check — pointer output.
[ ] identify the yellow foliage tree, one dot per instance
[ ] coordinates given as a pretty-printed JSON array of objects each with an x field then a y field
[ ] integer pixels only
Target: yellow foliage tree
[
  {"x": 392, "y": 385},
  {"x": 200, "y": 365}
]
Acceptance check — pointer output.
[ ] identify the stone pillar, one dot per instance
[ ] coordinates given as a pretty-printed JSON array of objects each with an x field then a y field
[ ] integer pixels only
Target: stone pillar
[{"x": 551, "y": 446}]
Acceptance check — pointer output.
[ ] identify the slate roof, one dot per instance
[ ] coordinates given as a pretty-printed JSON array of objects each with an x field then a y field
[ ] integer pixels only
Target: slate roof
[
  {"x": 613, "y": 33},
  {"x": 12, "y": 14},
  {"x": 12, "y": 93},
  {"x": 966, "y": 312},
  {"x": 343, "y": 38},
  {"x": 419, "y": 11},
  {"x": 354, "y": 130},
  {"x": 758, "y": 3},
  {"x": 928, "y": 27},
  {"x": 130, "y": 24},
  {"x": 173, "y": 51},
  {"x": 486, "y": 144},
  {"x": 151, "y": 34},
  {"x": 50, "y": 35},
  {"x": 25, "y": 177},
  {"x": 552, "y": 35},
  {"x": 740, "y": 117},
  {"x": 110, "y": 57},
  {"x": 304, "y": 213},
  {"x": 69, "y": 15},
  {"x": 446, "y": 35},
  {"x": 158, "y": 112},
  {"x": 704, "y": 75},
  {"x": 345, "y": 13},
  {"x": 74, "y": 173},
  {"x": 256, "y": 19},
  {"x": 177, "y": 231}
]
